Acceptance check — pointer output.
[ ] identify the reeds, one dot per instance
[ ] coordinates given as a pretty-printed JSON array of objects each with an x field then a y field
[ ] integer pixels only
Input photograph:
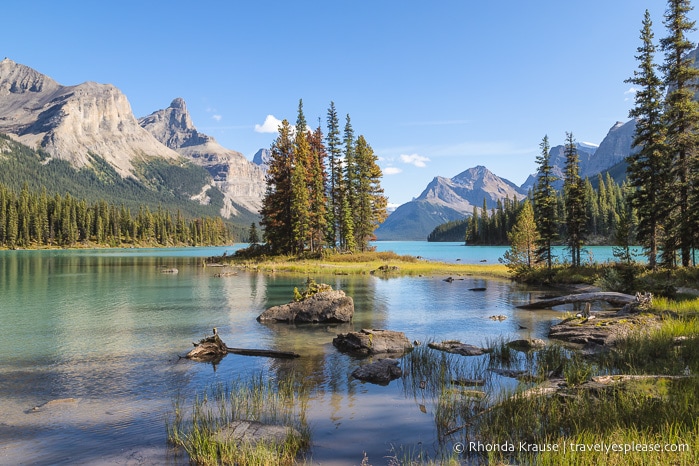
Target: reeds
[{"x": 263, "y": 400}]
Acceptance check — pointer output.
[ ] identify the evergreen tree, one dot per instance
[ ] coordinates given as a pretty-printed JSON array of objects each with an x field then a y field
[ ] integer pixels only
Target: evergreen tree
[
  {"x": 253, "y": 235},
  {"x": 317, "y": 187},
  {"x": 300, "y": 202},
  {"x": 523, "y": 238},
  {"x": 335, "y": 176},
  {"x": 276, "y": 204},
  {"x": 347, "y": 240},
  {"x": 682, "y": 124},
  {"x": 574, "y": 195},
  {"x": 647, "y": 168},
  {"x": 370, "y": 207},
  {"x": 545, "y": 204}
]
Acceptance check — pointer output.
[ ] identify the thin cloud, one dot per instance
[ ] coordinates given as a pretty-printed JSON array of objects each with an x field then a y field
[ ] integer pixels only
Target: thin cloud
[
  {"x": 271, "y": 125},
  {"x": 415, "y": 159},
  {"x": 391, "y": 171},
  {"x": 217, "y": 117}
]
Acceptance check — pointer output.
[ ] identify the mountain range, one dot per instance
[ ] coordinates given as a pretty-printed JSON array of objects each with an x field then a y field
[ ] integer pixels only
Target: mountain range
[
  {"x": 91, "y": 127},
  {"x": 449, "y": 199},
  {"x": 163, "y": 159}
]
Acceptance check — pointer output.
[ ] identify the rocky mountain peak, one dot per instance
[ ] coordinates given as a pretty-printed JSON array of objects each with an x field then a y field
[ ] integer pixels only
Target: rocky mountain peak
[
  {"x": 73, "y": 123},
  {"x": 241, "y": 181}
]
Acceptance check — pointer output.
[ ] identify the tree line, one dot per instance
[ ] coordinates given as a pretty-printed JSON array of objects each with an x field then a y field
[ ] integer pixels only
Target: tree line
[
  {"x": 31, "y": 219},
  {"x": 660, "y": 208},
  {"x": 321, "y": 191}
]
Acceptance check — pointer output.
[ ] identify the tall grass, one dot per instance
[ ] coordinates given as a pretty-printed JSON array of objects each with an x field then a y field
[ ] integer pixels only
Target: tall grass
[{"x": 263, "y": 400}]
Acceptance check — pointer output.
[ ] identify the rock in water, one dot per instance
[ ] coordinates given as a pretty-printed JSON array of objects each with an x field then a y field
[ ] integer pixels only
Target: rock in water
[
  {"x": 326, "y": 306},
  {"x": 210, "y": 348},
  {"x": 366, "y": 342},
  {"x": 380, "y": 372},
  {"x": 253, "y": 432},
  {"x": 456, "y": 347}
]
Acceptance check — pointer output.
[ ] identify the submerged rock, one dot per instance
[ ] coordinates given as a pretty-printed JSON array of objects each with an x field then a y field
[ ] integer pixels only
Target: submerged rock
[
  {"x": 366, "y": 342},
  {"x": 253, "y": 432},
  {"x": 456, "y": 347},
  {"x": 326, "y": 306},
  {"x": 380, "y": 372},
  {"x": 527, "y": 344}
]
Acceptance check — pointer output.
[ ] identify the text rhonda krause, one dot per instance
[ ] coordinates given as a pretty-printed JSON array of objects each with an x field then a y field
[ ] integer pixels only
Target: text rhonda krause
[{"x": 574, "y": 447}]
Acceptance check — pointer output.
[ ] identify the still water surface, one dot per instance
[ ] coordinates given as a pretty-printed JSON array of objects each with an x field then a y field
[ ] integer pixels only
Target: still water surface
[{"x": 105, "y": 327}]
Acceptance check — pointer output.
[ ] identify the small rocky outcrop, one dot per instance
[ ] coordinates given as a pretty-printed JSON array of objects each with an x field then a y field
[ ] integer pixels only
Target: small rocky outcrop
[
  {"x": 253, "y": 432},
  {"x": 380, "y": 372},
  {"x": 367, "y": 342},
  {"x": 324, "y": 307},
  {"x": 602, "y": 329},
  {"x": 209, "y": 349},
  {"x": 456, "y": 347}
]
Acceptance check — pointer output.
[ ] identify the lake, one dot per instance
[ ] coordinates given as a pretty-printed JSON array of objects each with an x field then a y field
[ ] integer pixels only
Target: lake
[{"x": 105, "y": 328}]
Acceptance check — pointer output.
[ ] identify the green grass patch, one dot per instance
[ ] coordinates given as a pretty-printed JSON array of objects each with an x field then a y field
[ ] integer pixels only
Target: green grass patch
[{"x": 268, "y": 401}]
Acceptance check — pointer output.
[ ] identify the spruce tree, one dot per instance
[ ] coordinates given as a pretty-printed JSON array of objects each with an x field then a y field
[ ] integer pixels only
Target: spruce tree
[
  {"x": 523, "y": 238},
  {"x": 317, "y": 190},
  {"x": 276, "y": 204},
  {"x": 300, "y": 200},
  {"x": 545, "y": 204},
  {"x": 647, "y": 167},
  {"x": 574, "y": 196},
  {"x": 335, "y": 176},
  {"x": 347, "y": 239},
  {"x": 370, "y": 207},
  {"x": 682, "y": 124},
  {"x": 253, "y": 235}
]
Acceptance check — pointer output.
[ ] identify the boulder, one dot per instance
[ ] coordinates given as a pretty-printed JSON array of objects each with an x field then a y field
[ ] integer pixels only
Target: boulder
[
  {"x": 253, "y": 432},
  {"x": 380, "y": 372},
  {"x": 326, "y": 306},
  {"x": 456, "y": 347},
  {"x": 366, "y": 342}
]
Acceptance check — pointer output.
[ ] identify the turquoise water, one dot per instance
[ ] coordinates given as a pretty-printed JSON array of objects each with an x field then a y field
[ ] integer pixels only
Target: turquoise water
[{"x": 105, "y": 328}]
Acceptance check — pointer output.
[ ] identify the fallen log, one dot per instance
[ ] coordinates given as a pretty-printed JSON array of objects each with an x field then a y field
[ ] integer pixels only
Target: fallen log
[
  {"x": 613, "y": 298},
  {"x": 213, "y": 349},
  {"x": 263, "y": 352}
]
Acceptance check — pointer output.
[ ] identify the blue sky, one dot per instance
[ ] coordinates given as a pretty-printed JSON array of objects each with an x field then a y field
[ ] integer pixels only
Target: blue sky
[{"x": 435, "y": 87}]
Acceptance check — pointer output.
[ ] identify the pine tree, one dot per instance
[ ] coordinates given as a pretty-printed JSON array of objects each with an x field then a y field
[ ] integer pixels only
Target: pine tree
[
  {"x": 545, "y": 204},
  {"x": 370, "y": 207},
  {"x": 335, "y": 176},
  {"x": 574, "y": 195},
  {"x": 647, "y": 168},
  {"x": 253, "y": 236},
  {"x": 318, "y": 189},
  {"x": 347, "y": 239},
  {"x": 276, "y": 205},
  {"x": 300, "y": 202},
  {"x": 523, "y": 238},
  {"x": 682, "y": 138}
]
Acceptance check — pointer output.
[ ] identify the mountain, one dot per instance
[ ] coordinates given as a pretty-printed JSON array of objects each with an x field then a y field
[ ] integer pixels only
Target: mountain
[
  {"x": 444, "y": 200},
  {"x": 241, "y": 181},
  {"x": 85, "y": 140},
  {"x": 613, "y": 149},
  {"x": 74, "y": 123},
  {"x": 261, "y": 158}
]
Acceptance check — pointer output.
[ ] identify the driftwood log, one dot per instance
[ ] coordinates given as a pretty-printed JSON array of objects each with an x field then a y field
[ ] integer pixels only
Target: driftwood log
[
  {"x": 615, "y": 299},
  {"x": 213, "y": 349}
]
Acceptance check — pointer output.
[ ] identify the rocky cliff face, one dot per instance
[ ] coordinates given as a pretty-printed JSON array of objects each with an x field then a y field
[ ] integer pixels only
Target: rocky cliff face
[
  {"x": 241, "y": 181},
  {"x": 74, "y": 123}
]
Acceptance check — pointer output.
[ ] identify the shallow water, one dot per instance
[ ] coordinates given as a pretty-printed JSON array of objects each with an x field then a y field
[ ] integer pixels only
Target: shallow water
[{"x": 105, "y": 328}]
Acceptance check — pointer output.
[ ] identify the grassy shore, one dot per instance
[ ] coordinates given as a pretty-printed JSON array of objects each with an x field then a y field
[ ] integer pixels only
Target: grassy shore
[{"x": 364, "y": 263}]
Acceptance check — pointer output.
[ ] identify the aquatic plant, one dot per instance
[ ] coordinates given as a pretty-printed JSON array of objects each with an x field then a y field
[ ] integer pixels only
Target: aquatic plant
[{"x": 260, "y": 399}]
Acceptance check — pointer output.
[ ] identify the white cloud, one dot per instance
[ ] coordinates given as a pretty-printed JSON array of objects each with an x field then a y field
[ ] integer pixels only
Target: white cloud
[
  {"x": 631, "y": 91},
  {"x": 217, "y": 117},
  {"x": 391, "y": 171},
  {"x": 414, "y": 159},
  {"x": 271, "y": 125}
]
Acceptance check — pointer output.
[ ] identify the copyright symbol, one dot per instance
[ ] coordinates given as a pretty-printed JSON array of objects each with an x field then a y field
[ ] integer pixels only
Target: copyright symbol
[{"x": 458, "y": 447}]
